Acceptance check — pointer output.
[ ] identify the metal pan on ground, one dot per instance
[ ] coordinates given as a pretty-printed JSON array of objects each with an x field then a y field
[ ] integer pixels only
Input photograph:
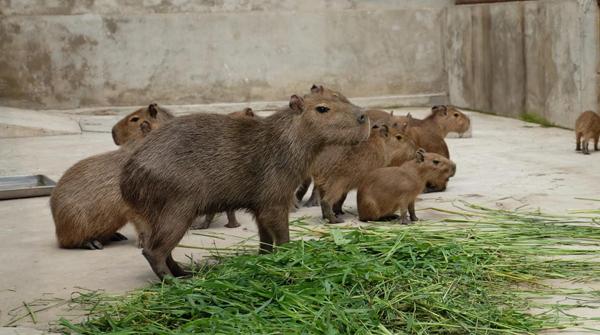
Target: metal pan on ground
[{"x": 16, "y": 187}]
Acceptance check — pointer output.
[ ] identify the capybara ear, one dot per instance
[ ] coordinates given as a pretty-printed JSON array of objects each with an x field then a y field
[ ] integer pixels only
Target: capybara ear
[
  {"x": 409, "y": 116},
  {"x": 420, "y": 155},
  {"x": 439, "y": 109},
  {"x": 296, "y": 103},
  {"x": 392, "y": 114},
  {"x": 384, "y": 131},
  {"x": 316, "y": 89},
  {"x": 153, "y": 110},
  {"x": 249, "y": 112},
  {"x": 145, "y": 127}
]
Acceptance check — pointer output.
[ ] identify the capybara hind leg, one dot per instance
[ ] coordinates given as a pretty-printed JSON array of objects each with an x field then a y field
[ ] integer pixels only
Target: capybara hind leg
[
  {"x": 411, "y": 212},
  {"x": 586, "y": 146},
  {"x": 176, "y": 270},
  {"x": 328, "y": 214},
  {"x": 578, "y": 142},
  {"x": 337, "y": 207},
  {"x": 158, "y": 262},
  {"x": 232, "y": 221},
  {"x": 302, "y": 189},
  {"x": 314, "y": 198},
  {"x": 596, "y": 143},
  {"x": 116, "y": 237},
  {"x": 92, "y": 245}
]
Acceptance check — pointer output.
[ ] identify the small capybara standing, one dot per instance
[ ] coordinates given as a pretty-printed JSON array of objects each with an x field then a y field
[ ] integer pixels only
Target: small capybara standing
[
  {"x": 210, "y": 163},
  {"x": 86, "y": 203},
  {"x": 384, "y": 191},
  {"x": 138, "y": 124},
  {"x": 587, "y": 127},
  {"x": 338, "y": 169},
  {"x": 232, "y": 221}
]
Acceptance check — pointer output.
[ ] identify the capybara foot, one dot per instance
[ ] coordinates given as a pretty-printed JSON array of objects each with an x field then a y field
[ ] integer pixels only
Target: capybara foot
[
  {"x": 405, "y": 220},
  {"x": 414, "y": 218},
  {"x": 200, "y": 224},
  {"x": 335, "y": 220},
  {"x": 116, "y": 237},
  {"x": 93, "y": 245},
  {"x": 338, "y": 211},
  {"x": 232, "y": 224}
]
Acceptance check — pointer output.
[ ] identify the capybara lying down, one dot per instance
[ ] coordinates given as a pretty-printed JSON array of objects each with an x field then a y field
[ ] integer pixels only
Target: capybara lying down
[
  {"x": 232, "y": 221},
  {"x": 86, "y": 204},
  {"x": 208, "y": 163},
  {"x": 587, "y": 127},
  {"x": 443, "y": 120},
  {"x": 338, "y": 169},
  {"x": 138, "y": 124},
  {"x": 384, "y": 191}
]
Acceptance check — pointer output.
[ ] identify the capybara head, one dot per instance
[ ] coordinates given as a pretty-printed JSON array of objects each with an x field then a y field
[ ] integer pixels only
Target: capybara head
[
  {"x": 138, "y": 124},
  {"x": 330, "y": 119},
  {"x": 437, "y": 170},
  {"x": 451, "y": 119},
  {"x": 246, "y": 112},
  {"x": 400, "y": 146}
]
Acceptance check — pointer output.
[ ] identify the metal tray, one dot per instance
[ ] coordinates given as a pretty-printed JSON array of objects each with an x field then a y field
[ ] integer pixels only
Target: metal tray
[{"x": 25, "y": 186}]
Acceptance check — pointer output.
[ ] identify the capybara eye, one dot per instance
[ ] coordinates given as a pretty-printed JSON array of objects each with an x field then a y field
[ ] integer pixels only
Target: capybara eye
[
  {"x": 455, "y": 114},
  {"x": 134, "y": 119},
  {"x": 399, "y": 137},
  {"x": 436, "y": 162},
  {"x": 322, "y": 109}
]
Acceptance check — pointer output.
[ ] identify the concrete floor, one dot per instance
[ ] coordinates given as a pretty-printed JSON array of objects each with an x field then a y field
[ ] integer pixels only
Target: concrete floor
[{"x": 507, "y": 163}]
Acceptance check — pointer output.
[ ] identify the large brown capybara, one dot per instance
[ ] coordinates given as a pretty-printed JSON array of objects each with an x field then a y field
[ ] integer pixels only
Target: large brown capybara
[
  {"x": 384, "y": 191},
  {"x": 587, "y": 127},
  {"x": 86, "y": 203},
  {"x": 218, "y": 163}
]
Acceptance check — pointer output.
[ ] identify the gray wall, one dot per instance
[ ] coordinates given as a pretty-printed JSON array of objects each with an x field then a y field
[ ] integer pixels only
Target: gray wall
[
  {"x": 509, "y": 58},
  {"x": 66, "y": 54},
  {"x": 537, "y": 56}
]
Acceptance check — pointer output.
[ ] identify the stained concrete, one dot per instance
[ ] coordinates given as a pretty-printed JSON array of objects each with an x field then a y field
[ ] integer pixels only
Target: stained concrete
[
  {"x": 16, "y": 122},
  {"x": 507, "y": 164}
]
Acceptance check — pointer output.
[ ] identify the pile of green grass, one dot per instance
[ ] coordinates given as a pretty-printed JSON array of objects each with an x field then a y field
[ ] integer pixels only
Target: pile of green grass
[{"x": 474, "y": 274}]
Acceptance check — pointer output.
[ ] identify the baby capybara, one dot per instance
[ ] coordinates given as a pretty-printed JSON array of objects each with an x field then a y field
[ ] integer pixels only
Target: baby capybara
[
  {"x": 587, "y": 127},
  {"x": 232, "y": 221},
  {"x": 384, "y": 191},
  {"x": 138, "y": 124},
  {"x": 338, "y": 169},
  {"x": 209, "y": 163},
  {"x": 86, "y": 203}
]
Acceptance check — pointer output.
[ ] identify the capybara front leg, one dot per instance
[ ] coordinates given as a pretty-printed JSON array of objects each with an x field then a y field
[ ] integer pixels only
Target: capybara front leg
[
  {"x": 275, "y": 220},
  {"x": 158, "y": 262},
  {"x": 266, "y": 240},
  {"x": 232, "y": 221},
  {"x": 337, "y": 207},
  {"x": 578, "y": 143},
  {"x": 411, "y": 211}
]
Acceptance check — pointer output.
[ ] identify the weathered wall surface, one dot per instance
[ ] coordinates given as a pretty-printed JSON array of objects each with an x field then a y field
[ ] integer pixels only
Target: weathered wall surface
[
  {"x": 67, "y": 54},
  {"x": 536, "y": 56}
]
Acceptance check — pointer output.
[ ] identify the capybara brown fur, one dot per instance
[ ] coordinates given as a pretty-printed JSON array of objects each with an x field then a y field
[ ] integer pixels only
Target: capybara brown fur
[
  {"x": 338, "y": 169},
  {"x": 384, "y": 191},
  {"x": 138, "y": 124},
  {"x": 587, "y": 127},
  {"x": 209, "y": 163},
  {"x": 232, "y": 221},
  {"x": 86, "y": 203},
  {"x": 443, "y": 120}
]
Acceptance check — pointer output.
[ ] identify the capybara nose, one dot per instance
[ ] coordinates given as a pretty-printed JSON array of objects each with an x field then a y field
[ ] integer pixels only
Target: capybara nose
[{"x": 362, "y": 118}]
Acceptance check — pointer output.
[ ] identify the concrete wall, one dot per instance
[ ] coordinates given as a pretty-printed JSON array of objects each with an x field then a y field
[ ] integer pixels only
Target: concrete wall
[
  {"x": 67, "y": 54},
  {"x": 508, "y": 58},
  {"x": 537, "y": 56}
]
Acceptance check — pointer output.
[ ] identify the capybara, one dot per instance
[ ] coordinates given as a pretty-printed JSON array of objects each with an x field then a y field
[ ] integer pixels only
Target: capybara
[
  {"x": 209, "y": 163},
  {"x": 443, "y": 120},
  {"x": 303, "y": 188},
  {"x": 383, "y": 191},
  {"x": 136, "y": 125},
  {"x": 338, "y": 169},
  {"x": 587, "y": 127},
  {"x": 232, "y": 221},
  {"x": 86, "y": 204}
]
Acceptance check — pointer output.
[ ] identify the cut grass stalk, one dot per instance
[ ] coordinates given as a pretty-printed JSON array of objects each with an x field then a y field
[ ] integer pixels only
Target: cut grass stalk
[{"x": 476, "y": 274}]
